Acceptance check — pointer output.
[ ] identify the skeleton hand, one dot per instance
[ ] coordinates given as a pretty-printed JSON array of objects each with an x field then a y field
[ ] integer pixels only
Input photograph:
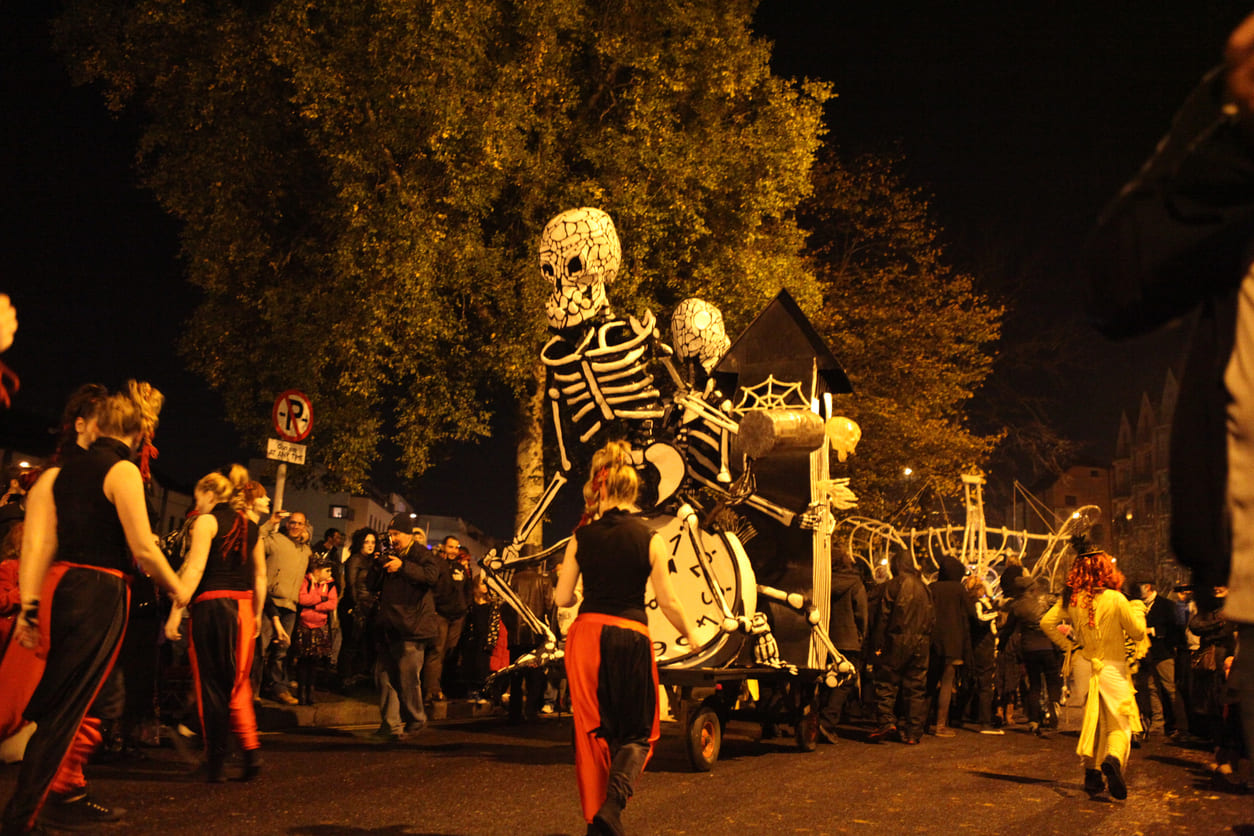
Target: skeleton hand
[
  {"x": 765, "y": 649},
  {"x": 838, "y": 494},
  {"x": 812, "y": 518}
]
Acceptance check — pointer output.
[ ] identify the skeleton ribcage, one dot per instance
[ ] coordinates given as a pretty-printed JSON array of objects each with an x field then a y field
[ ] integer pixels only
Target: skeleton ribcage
[{"x": 604, "y": 378}]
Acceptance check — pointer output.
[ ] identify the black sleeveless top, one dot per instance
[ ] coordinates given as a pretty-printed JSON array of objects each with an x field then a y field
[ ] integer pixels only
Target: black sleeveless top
[
  {"x": 88, "y": 528},
  {"x": 229, "y": 571},
  {"x": 613, "y": 555}
]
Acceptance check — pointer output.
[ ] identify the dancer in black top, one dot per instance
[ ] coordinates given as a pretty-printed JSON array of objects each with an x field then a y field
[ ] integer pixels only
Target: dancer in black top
[
  {"x": 227, "y": 566},
  {"x": 78, "y": 421},
  {"x": 609, "y": 655},
  {"x": 84, "y": 522}
]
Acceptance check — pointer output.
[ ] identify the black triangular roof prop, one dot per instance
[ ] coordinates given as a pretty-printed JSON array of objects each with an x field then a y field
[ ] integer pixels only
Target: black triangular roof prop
[{"x": 781, "y": 342}]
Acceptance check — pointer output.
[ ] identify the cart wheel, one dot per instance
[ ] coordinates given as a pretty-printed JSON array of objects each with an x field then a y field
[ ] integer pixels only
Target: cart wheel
[{"x": 705, "y": 736}]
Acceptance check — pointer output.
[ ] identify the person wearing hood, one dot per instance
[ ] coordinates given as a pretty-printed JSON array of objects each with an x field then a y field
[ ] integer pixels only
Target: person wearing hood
[
  {"x": 846, "y": 628},
  {"x": 900, "y": 640},
  {"x": 951, "y": 637},
  {"x": 1040, "y": 659}
]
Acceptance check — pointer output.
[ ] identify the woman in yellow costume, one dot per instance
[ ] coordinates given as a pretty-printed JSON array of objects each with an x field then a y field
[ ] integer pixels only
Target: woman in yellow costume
[{"x": 1101, "y": 620}]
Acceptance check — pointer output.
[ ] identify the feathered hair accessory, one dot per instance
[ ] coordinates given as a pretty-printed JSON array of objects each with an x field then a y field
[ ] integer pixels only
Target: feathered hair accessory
[
  {"x": 590, "y": 508},
  {"x": 1082, "y": 547},
  {"x": 147, "y": 452}
]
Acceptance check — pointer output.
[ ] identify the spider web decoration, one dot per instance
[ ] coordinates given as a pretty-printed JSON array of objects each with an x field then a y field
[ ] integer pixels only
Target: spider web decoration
[{"x": 771, "y": 394}]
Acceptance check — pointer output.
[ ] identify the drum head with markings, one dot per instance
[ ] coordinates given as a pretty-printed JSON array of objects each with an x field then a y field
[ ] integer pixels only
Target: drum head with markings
[{"x": 734, "y": 578}]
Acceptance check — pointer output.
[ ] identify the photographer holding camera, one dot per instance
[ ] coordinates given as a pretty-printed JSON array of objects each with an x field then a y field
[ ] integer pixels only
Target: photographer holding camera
[{"x": 406, "y": 628}]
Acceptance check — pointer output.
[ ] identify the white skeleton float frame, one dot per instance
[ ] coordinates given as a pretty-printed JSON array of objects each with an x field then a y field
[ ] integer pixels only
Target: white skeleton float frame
[
  {"x": 599, "y": 370},
  {"x": 979, "y": 547}
]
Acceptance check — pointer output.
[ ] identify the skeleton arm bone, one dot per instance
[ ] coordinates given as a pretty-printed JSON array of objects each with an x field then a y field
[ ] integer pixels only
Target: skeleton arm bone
[
  {"x": 533, "y": 519},
  {"x": 730, "y": 622}
]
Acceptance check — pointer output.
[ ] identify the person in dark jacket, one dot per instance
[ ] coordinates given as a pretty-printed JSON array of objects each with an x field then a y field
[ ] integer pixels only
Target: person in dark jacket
[
  {"x": 983, "y": 623},
  {"x": 453, "y": 593},
  {"x": 901, "y": 638},
  {"x": 1155, "y": 679},
  {"x": 357, "y": 609},
  {"x": 847, "y": 630},
  {"x": 1219, "y": 721},
  {"x": 951, "y": 638},
  {"x": 1040, "y": 659},
  {"x": 527, "y": 683},
  {"x": 406, "y": 628},
  {"x": 1011, "y": 571}
]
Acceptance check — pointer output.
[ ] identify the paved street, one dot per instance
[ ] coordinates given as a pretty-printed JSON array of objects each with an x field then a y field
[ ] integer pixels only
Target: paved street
[{"x": 483, "y": 776}]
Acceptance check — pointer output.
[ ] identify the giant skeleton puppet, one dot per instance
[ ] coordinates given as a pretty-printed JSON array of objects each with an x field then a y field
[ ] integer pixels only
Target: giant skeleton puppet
[{"x": 601, "y": 383}]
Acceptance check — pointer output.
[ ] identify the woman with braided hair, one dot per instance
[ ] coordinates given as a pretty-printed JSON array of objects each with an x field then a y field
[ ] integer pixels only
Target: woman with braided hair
[
  {"x": 1102, "y": 620},
  {"x": 226, "y": 565},
  {"x": 86, "y": 528},
  {"x": 609, "y": 655}
]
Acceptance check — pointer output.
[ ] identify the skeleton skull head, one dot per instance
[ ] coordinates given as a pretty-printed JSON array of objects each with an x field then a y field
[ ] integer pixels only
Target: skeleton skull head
[
  {"x": 579, "y": 255},
  {"x": 697, "y": 332},
  {"x": 844, "y": 434}
]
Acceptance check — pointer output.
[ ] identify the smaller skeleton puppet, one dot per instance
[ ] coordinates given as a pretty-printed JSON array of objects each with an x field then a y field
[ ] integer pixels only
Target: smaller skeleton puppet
[{"x": 601, "y": 383}]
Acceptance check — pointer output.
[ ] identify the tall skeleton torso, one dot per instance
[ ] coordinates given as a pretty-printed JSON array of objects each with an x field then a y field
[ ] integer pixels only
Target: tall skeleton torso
[{"x": 603, "y": 378}]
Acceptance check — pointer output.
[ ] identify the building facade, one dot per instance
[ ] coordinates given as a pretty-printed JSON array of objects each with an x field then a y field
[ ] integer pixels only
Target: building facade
[{"x": 1140, "y": 498}]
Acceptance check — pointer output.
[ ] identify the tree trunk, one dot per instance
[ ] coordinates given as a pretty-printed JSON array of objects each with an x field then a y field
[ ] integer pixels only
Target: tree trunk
[{"x": 530, "y": 458}]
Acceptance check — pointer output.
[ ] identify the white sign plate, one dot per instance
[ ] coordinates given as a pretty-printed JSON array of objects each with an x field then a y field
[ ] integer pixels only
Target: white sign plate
[{"x": 285, "y": 451}]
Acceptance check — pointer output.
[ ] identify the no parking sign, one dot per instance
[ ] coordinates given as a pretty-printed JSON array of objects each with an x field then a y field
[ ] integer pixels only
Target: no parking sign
[{"x": 293, "y": 415}]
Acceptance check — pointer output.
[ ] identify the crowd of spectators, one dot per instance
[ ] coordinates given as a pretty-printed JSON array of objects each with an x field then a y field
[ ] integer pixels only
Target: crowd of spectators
[
  {"x": 938, "y": 650},
  {"x": 942, "y": 649}
]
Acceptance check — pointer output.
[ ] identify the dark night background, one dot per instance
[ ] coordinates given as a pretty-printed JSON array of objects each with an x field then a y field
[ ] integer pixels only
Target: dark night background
[{"x": 1020, "y": 120}]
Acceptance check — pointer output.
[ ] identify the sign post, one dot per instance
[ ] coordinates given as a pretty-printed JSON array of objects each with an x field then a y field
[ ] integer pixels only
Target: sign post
[{"x": 293, "y": 421}]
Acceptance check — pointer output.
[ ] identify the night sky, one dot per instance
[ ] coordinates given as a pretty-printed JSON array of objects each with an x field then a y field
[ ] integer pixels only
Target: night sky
[{"x": 1021, "y": 120}]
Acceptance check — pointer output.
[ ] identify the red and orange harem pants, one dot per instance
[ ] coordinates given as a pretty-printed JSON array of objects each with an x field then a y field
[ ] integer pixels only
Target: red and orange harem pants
[
  {"x": 82, "y": 619},
  {"x": 613, "y": 688},
  {"x": 222, "y": 647}
]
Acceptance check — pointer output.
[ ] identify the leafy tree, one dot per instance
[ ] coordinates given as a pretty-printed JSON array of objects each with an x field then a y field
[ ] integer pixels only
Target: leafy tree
[
  {"x": 361, "y": 185},
  {"x": 915, "y": 335}
]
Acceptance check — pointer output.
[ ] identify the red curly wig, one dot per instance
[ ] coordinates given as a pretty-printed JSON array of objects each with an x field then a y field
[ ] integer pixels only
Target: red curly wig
[{"x": 1091, "y": 573}]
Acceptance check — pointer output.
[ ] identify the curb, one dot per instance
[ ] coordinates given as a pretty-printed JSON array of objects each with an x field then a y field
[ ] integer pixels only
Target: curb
[{"x": 330, "y": 709}]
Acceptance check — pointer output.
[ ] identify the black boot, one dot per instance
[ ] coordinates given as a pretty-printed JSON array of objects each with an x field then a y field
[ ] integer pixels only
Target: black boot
[
  {"x": 1113, "y": 770},
  {"x": 1093, "y": 781},
  {"x": 608, "y": 820},
  {"x": 625, "y": 769},
  {"x": 215, "y": 768},
  {"x": 252, "y": 764}
]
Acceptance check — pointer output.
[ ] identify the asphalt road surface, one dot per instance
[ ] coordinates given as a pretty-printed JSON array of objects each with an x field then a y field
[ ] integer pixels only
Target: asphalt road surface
[{"x": 484, "y": 776}]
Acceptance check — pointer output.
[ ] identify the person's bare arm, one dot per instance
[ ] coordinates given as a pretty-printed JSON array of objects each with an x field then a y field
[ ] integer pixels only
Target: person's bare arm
[
  {"x": 567, "y": 576},
  {"x": 193, "y": 569},
  {"x": 125, "y": 489},
  {"x": 39, "y": 546},
  {"x": 259, "y": 584},
  {"x": 664, "y": 592}
]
